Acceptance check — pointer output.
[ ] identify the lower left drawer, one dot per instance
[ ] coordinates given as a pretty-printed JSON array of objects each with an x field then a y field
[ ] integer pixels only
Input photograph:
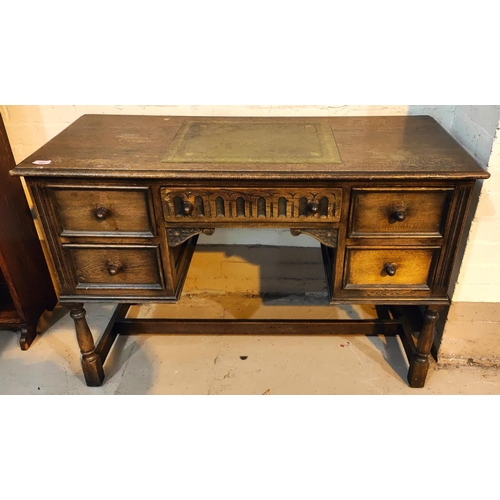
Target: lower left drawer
[{"x": 130, "y": 267}]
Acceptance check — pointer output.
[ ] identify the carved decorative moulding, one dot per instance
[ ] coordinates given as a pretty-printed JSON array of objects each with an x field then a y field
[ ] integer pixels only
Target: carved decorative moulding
[
  {"x": 252, "y": 204},
  {"x": 327, "y": 237},
  {"x": 242, "y": 141},
  {"x": 177, "y": 236}
]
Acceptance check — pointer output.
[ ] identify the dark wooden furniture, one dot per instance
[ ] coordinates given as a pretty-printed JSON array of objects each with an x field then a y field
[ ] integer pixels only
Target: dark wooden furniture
[
  {"x": 26, "y": 289},
  {"x": 122, "y": 200}
]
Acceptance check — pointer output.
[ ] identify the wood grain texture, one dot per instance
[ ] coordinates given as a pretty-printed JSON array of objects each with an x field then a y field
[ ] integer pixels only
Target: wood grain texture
[
  {"x": 122, "y": 211},
  {"x": 133, "y": 147},
  {"x": 399, "y": 211},
  {"x": 369, "y": 267},
  {"x": 257, "y": 327},
  {"x": 115, "y": 267}
]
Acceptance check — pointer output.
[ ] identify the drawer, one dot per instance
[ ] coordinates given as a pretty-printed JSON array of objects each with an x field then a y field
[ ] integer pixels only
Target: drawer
[
  {"x": 115, "y": 267},
  {"x": 408, "y": 267},
  {"x": 97, "y": 211},
  {"x": 251, "y": 205},
  {"x": 397, "y": 212}
]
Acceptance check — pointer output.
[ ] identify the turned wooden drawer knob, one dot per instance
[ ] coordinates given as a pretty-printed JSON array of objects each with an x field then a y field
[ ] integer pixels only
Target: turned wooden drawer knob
[
  {"x": 101, "y": 213},
  {"x": 187, "y": 208},
  {"x": 390, "y": 269},
  {"x": 399, "y": 215},
  {"x": 114, "y": 269},
  {"x": 313, "y": 207}
]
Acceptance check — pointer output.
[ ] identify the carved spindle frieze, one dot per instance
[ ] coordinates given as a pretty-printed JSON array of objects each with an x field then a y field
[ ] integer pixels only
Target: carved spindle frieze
[{"x": 251, "y": 203}]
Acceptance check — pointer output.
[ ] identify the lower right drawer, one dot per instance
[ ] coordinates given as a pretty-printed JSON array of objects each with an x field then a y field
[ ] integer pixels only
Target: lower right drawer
[{"x": 410, "y": 268}]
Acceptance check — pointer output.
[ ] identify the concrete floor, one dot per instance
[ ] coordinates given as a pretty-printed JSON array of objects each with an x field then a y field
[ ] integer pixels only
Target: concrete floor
[{"x": 201, "y": 364}]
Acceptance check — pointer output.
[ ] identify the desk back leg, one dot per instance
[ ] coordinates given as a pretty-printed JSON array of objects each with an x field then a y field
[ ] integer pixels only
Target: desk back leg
[
  {"x": 91, "y": 360},
  {"x": 419, "y": 364},
  {"x": 28, "y": 334}
]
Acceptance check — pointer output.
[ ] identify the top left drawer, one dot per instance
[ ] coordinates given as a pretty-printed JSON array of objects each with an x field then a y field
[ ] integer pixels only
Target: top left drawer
[{"x": 102, "y": 211}]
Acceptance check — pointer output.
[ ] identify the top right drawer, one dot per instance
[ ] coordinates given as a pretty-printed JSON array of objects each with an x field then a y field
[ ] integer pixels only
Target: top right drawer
[{"x": 399, "y": 211}]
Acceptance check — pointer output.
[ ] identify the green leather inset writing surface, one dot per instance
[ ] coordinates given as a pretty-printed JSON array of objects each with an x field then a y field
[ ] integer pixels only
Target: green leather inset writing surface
[{"x": 241, "y": 141}]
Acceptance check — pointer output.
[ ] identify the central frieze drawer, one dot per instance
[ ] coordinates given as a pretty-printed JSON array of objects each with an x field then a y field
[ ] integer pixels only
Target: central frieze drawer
[
  {"x": 98, "y": 211},
  {"x": 398, "y": 212},
  {"x": 255, "y": 205},
  {"x": 115, "y": 267}
]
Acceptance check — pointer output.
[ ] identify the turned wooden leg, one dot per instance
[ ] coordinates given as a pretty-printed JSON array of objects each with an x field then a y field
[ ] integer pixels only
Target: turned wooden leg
[
  {"x": 28, "y": 334},
  {"x": 91, "y": 360},
  {"x": 419, "y": 365}
]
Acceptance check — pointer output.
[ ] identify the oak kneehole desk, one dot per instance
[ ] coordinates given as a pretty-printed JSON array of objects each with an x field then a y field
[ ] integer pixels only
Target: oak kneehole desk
[{"x": 122, "y": 199}]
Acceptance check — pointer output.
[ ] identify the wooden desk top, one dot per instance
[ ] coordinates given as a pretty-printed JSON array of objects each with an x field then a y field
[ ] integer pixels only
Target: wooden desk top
[{"x": 120, "y": 146}]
